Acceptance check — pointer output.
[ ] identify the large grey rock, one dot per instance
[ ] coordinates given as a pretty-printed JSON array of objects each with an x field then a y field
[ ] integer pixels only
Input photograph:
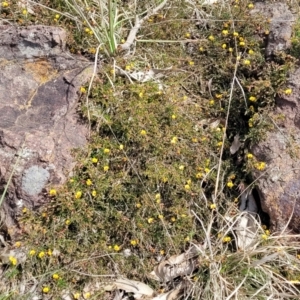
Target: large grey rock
[
  {"x": 279, "y": 188},
  {"x": 281, "y": 25},
  {"x": 39, "y": 86}
]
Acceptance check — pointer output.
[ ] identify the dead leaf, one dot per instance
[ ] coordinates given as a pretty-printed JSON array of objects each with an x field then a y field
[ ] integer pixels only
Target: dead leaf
[
  {"x": 139, "y": 289},
  {"x": 236, "y": 144},
  {"x": 246, "y": 230},
  {"x": 19, "y": 254},
  {"x": 176, "y": 265}
]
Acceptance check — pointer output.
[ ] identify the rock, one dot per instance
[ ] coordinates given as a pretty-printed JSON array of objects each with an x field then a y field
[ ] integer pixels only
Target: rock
[
  {"x": 281, "y": 25},
  {"x": 39, "y": 87},
  {"x": 279, "y": 188}
]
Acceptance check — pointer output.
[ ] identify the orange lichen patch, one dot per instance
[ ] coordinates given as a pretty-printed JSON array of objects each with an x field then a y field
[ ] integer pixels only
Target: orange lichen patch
[{"x": 41, "y": 70}]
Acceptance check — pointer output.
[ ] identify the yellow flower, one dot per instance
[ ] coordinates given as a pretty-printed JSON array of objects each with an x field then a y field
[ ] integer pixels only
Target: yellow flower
[
  {"x": 106, "y": 150},
  {"x": 55, "y": 276},
  {"x": 230, "y": 49},
  {"x": 160, "y": 217},
  {"x": 260, "y": 166},
  {"x": 230, "y": 184},
  {"x": 251, "y": 52},
  {"x": 173, "y": 219},
  {"x": 49, "y": 252},
  {"x": 206, "y": 170},
  {"x": 24, "y": 12},
  {"x": 150, "y": 220},
  {"x": 76, "y": 295},
  {"x": 117, "y": 248},
  {"x": 211, "y": 102},
  {"x": 264, "y": 236},
  {"x": 267, "y": 232},
  {"x": 213, "y": 206},
  {"x": 92, "y": 50},
  {"x": 94, "y": 193},
  {"x": 173, "y": 117},
  {"x": 191, "y": 63},
  {"x": 128, "y": 68},
  {"x": 225, "y": 32},
  {"x": 24, "y": 210},
  {"x": 141, "y": 94},
  {"x": 82, "y": 89},
  {"x": 138, "y": 205},
  {"x": 181, "y": 167},
  {"x": 133, "y": 242},
  {"x": 226, "y": 239},
  {"x": 242, "y": 44},
  {"x": 187, "y": 35},
  {"x": 187, "y": 187},
  {"x": 67, "y": 222},
  {"x": 250, "y": 155},
  {"x": 162, "y": 252},
  {"x": 87, "y": 295},
  {"x": 211, "y": 38},
  {"x": 252, "y": 98},
  {"x": 121, "y": 147},
  {"x": 89, "y": 182},
  {"x": 224, "y": 46},
  {"x": 199, "y": 175},
  {"x": 246, "y": 62},
  {"x": 46, "y": 289},
  {"x": 13, "y": 260},
  {"x": 187, "y": 239},
  {"x": 250, "y": 122},
  {"x": 94, "y": 160},
  {"x": 18, "y": 244},
  {"x": 32, "y": 252},
  {"x": 157, "y": 198},
  {"x": 57, "y": 16},
  {"x": 235, "y": 33},
  {"x": 250, "y": 5},
  {"x": 219, "y": 144},
  {"x": 143, "y": 132},
  {"x": 288, "y": 91},
  {"x": 52, "y": 192},
  {"x": 201, "y": 49},
  {"x": 41, "y": 254},
  {"x": 105, "y": 168},
  {"x": 4, "y": 4},
  {"x": 78, "y": 194},
  {"x": 164, "y": 179},
  {"x": 174, "y": 140}
]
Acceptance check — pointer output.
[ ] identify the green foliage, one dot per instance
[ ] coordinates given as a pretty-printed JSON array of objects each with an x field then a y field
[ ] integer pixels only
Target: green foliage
[
  {"x": 146, "y": 183},
  {"x": 295, "y": 50}
]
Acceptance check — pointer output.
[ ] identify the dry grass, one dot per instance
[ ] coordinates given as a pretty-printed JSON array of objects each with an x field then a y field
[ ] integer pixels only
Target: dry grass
[{"x": 157, "y": 178}]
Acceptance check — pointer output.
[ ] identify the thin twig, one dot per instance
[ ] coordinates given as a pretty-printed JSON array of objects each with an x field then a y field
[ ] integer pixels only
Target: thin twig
[{"x": 138, "y": 23}]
